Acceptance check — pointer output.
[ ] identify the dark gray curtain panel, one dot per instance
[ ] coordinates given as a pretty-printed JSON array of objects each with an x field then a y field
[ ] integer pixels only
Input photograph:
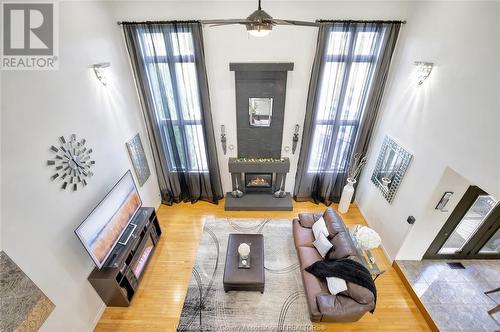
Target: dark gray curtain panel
[
  {"x": 347, "y": 83},
  {"x": 168, "y": 61}
]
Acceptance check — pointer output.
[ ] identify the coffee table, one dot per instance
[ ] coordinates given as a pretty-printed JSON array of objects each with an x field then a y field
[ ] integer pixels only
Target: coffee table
[{"x": 244, "y": 279}]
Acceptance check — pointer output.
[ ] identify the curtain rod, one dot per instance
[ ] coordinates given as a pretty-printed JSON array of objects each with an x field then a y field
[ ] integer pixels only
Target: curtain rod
[
  {"x": 157, "y": 22},
  {"x": 360, "y": 21},
  {"x": 318, "y": 21}
]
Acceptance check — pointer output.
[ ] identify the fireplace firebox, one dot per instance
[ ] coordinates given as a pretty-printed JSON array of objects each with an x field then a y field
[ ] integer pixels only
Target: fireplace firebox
[{"x": 258, "y": 182}]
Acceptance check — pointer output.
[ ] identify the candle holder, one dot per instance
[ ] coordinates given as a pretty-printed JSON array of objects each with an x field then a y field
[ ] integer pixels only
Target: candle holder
[{"x": 244, "y": 256}]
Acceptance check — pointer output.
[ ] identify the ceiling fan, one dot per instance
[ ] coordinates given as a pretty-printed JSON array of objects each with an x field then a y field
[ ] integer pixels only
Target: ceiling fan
[{"x": 259, "y": 23}]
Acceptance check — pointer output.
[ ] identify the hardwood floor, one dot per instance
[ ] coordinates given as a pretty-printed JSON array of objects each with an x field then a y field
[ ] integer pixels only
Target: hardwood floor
[{"x": 158, "y": 303}]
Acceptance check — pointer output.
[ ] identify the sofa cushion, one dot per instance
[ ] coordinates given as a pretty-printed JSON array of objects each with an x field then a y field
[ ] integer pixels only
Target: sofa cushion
[
  {"x": 303, "y": 237},
  {"x": 358, "y": 293},
  {"x": 312, "y": 285},
  {"x": 308, "y": 256},
  {"x": 333, "y": 222},
  {"x": 355, "y": 258},
  {"x": 308, "y": 219},
  {"x": 342, "y": 246},
  {"x": 338, "y": 308}
]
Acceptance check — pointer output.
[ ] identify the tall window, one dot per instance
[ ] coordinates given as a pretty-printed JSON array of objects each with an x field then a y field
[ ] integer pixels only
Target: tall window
[
  {"x": 349, "y": 64},
  {"x": 168, "y": 61},
  {"x": 173, "y": 83},
  {"x": 347, "y": 83}
]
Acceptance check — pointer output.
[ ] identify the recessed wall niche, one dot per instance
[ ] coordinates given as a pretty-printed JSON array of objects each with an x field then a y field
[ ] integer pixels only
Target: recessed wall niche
[{"x": 260, "y": 107}]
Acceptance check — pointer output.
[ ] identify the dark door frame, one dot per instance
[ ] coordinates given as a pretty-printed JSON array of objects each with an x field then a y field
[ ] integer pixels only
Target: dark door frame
[{"x": 478, "y": 240}]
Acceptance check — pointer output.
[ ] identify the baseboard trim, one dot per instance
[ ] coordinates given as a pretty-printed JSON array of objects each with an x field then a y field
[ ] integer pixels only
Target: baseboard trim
[
  {"x": 382, "y": 244},
  {"x": 98, "y": 316},
  {"x": 416, "y": 299}
]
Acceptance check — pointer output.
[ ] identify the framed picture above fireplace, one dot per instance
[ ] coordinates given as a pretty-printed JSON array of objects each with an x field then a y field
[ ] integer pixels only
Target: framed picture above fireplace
[{"x": 260, "y": 111}]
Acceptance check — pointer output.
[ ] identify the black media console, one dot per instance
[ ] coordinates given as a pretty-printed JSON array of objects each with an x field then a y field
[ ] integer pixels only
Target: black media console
[{"x": 117, "y": 281}]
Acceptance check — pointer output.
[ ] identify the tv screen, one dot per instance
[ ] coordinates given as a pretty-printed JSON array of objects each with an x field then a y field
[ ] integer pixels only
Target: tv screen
[{"x": 102, "y": 229}]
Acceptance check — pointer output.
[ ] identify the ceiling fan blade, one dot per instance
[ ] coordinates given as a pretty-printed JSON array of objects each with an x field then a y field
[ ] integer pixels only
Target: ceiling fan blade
[
  {"x": 293, "y": 22},
  {"x": 225, "y": 22},
  {"x": 222, "y": 24}
]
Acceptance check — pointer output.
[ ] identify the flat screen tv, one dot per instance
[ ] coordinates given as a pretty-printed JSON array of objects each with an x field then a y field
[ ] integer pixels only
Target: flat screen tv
[{"x": 104, "y": 226}]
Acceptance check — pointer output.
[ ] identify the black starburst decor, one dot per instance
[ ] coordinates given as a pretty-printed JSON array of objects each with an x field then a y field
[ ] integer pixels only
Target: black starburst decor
[{"x": 72, "y": 162}]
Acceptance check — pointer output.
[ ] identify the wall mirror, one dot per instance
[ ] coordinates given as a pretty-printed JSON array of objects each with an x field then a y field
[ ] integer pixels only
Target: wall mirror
[
  {"x": 391, "y": 166},
  {"x": 260, "y": 111}
]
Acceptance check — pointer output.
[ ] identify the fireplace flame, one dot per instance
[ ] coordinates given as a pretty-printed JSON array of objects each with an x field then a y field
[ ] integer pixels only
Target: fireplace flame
[{"x": 259, "y": 181}]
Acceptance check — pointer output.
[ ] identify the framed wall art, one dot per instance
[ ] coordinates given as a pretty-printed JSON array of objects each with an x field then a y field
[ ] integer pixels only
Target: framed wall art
[{"x": 138, "y": 159}]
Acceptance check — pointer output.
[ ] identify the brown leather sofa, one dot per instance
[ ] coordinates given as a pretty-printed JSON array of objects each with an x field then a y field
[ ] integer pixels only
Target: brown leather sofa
[{"x": 347, "y": 306}]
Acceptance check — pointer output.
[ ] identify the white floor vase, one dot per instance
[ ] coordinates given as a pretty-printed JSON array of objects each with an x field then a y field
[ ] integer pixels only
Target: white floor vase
[{"x": 347, "y": 193}]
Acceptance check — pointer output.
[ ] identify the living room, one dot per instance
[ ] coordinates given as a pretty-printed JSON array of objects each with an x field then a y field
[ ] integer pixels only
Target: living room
[{"x": 269, "y": 121}]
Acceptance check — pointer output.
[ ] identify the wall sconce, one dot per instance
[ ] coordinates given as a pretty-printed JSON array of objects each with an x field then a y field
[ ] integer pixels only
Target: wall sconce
[
  {"x": 223, "y": 138},
  {"x": 295, "y": 138},
  {"x": 423, "y": 70},
  {"x": 444, "y": 201},
  {"x": 100, "y": 72}
]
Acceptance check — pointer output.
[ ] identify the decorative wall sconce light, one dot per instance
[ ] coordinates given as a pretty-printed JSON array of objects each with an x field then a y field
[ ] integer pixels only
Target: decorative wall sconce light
[
  {"x": 423, "y": 70},
  {"x": 223, "y": 138},
  {"x": 444, "y": 201},
  {"x": 295, "y": 138},
  {"x": 100, "y": 72}
]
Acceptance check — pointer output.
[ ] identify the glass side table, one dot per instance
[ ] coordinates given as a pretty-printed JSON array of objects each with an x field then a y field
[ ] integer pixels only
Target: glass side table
[{"x": 366, "y": 256}]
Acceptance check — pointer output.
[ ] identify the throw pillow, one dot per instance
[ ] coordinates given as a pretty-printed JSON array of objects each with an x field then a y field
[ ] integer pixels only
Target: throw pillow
[
  {"x": 319, "y": 227},
  {"x": 322, "y": 245},
  {"x": 336, "y": 285}
]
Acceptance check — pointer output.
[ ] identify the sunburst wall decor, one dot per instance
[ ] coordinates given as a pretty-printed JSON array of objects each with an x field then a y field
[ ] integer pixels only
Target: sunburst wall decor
[{"x": 72, "y": 162}]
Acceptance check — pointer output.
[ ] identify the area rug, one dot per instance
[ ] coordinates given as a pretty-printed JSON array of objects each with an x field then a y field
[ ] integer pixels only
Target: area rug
[
  {"x": 282, "y": 307},
  {"x": 23, "y": 306}
]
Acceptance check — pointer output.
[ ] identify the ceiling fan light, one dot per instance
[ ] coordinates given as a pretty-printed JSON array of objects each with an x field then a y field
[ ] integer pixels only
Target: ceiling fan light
[
  {"x": 259, "y": 30},
  {"x": 259, "y": 33}
]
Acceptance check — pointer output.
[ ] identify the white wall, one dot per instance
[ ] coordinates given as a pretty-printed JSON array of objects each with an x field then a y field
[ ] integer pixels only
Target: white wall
[
  {"x": 37, "y": 108},
  {"x": 449, "y": 124},
  {"x": 232, "y": 44}
]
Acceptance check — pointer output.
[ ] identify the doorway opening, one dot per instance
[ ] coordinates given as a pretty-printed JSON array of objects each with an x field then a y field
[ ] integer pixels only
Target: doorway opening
[{"x": 472, "y": 231}]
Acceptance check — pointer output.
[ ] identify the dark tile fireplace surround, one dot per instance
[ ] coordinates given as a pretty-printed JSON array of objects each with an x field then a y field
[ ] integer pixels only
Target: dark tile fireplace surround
[
  {"x": 258, "y": 180},
  {"x": 258, "y": 175}
]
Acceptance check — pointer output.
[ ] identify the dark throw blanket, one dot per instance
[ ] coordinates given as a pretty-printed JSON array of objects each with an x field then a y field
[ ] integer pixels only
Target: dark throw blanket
[{"x": 346, "y": 269}]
